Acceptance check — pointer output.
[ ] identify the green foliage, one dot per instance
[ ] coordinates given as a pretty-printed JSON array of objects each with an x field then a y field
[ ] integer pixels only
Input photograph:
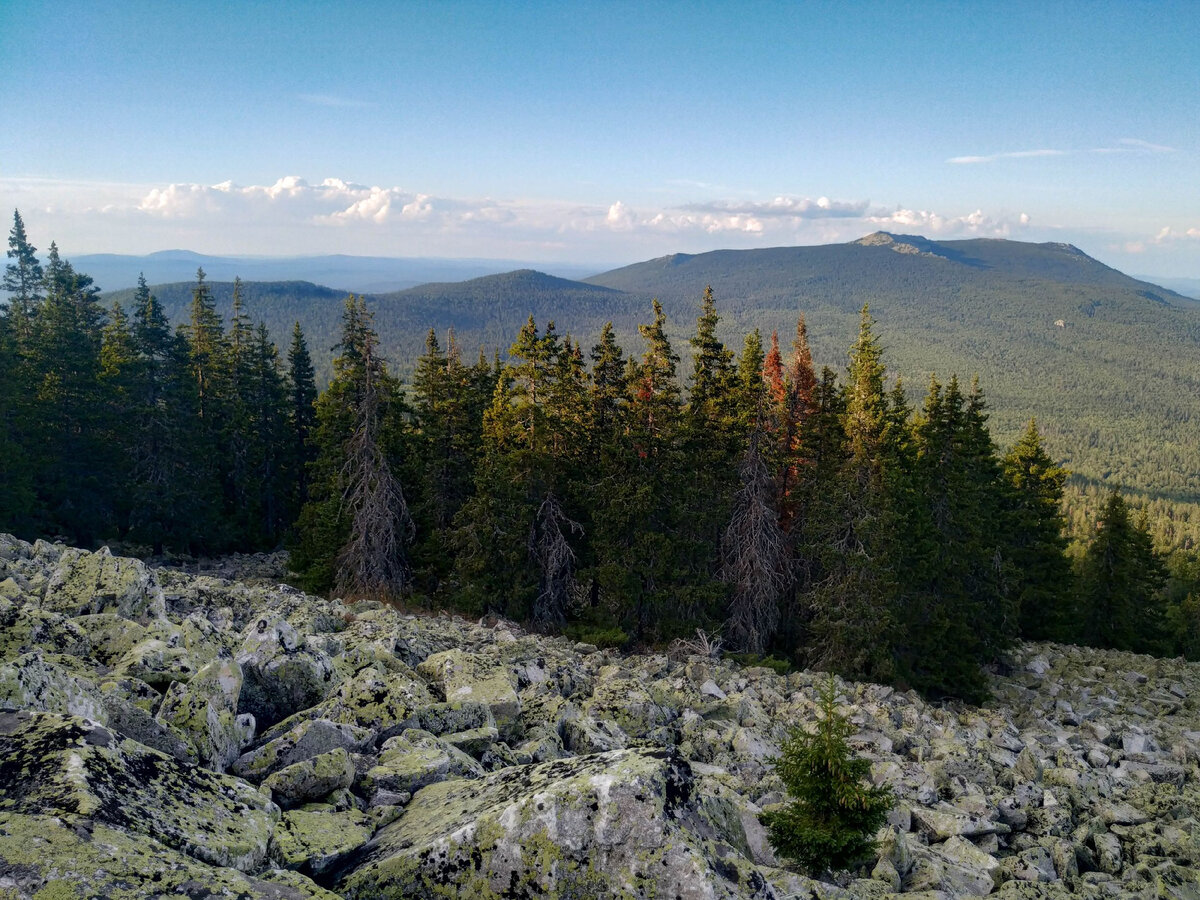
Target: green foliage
[
  {"x": 599, "y": 636},
  {"x": 1034, "y": 502},
  {"x": 832, "y": 817},
  {"x": 766, "y": 661},
  {"x": 1119, "y": 584}
]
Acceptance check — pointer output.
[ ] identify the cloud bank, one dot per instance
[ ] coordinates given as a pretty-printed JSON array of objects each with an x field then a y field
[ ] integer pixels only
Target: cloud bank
[{"x": 293, "y": 215}]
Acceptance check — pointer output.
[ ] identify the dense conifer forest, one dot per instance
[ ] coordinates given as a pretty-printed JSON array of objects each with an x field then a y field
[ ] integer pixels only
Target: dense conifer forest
[{"x": 626, "y": 496}]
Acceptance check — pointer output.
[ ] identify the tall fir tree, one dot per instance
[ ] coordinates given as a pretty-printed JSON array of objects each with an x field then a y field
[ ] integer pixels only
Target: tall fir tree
[
  {"x": 853, "y": 605},
  {"x": 73, "y": 496},
  {"x": 165, "y": 499},
  {"x": 1043, "y": 574},
  {"x": 23, "y": 277},
  {"x": 1119, "y": 585},
  {"x": 302, "y": 418},
  {"x": 208, "y": 364}
]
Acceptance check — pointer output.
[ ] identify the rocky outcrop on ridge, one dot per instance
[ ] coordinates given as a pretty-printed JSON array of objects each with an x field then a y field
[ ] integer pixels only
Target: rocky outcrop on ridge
[{"x": 172, "y": 734}]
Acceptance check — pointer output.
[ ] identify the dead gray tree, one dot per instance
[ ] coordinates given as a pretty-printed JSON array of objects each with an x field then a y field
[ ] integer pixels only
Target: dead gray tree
[
  {"x": 373, "y": 563},
  {"x": 755, "y": 559},
  {"x": 555, "y": 560}
]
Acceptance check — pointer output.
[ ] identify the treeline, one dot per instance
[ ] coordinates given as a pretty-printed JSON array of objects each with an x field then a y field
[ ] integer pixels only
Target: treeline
[
  {"x": 116, "y": 426},
  {"x": 800, "y": 515}
]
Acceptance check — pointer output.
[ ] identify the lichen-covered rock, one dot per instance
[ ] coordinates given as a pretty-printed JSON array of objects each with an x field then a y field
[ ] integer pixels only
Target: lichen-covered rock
[
  {"x": 26, "y": 629},
  {"x": 68, "y": 856},
  {"x": 85, "y": 583},
  {"x": 50, "y": 684},
  {"x": 205, "y": 712},
  {"x": 414, "y": 759},
  {"x": 1083, "y": 768},
  {"x": 946, "y": 821},
  {"x": 282, "y": 675},
  {"x": 460, "y": 676},
  {"x": 311, "y": 779},
  {"x": 302, "y": 741},
  {"x": 51, "y": 765},
  {"x": 157, "y": 663},
  {"x": 613, "y": 823},
  {"x": 315, "y": 841},
  {"x": 384, "y": 702}
]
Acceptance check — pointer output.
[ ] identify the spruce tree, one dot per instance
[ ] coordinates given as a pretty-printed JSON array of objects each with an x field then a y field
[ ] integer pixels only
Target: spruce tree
[
  {"x": 302, "y": 419},
  {"x": 1043, "y": 586},
  {"x": 1120, "y": 580},
  {"x": 830, "y": 823},
  {"x": 23, "y": 277},
  {"x": 852, "y": 541},
  {"x": 16, "y": 475},
  {"x": 165, "y": 500},
  {"x": 74, "y": 498}
]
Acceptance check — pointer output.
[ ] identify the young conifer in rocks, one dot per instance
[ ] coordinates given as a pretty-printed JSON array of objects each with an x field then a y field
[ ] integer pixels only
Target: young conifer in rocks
[{"x": 828, "y": 825}]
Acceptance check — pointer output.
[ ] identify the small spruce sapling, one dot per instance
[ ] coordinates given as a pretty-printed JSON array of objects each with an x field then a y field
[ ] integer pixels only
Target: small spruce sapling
[{"x": 833, "y": 816}]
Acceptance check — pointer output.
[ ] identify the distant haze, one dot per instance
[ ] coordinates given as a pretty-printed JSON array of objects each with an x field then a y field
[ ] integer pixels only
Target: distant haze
[{"x": 359, "y": 274}]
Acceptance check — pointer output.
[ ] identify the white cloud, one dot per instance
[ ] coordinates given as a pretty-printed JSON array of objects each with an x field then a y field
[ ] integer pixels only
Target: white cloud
[
  {"x": 1167, "y": 235},
  {"x": 1125, "y": 145},
  {"x": 785, "y": 207},
  {"x": 1015, "y": 154}
]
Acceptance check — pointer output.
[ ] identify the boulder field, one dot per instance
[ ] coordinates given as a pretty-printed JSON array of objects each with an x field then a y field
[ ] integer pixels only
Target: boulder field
[{"x": 180, "y": 735}]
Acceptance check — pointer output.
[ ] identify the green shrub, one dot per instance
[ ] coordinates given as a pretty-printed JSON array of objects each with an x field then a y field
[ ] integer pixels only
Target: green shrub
[
  {"x": 830, "y": 822},
  {"x": 749, "y": 660},
  {"x": 597, "y": 635}
]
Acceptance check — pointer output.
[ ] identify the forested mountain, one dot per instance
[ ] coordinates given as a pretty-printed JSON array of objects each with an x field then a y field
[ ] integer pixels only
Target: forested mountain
[
  {"x": 370, "y": 274},
  {"x": 1107, "y": 363},
  {"x": 627, "y": 496}
]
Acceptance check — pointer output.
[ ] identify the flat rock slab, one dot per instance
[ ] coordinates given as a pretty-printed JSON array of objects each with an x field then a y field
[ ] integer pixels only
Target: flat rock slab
[{"x": 57, "y": 765}]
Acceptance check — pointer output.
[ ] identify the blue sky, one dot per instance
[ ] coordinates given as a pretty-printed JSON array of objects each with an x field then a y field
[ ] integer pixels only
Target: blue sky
[{"x": 601, "y": 132}]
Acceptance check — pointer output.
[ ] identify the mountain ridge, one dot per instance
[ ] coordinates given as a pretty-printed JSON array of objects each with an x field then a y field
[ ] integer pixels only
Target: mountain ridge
[{"x": 1105, "y": 361}]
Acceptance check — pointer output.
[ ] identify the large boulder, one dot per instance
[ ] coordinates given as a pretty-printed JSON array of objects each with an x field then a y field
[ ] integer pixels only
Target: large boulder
[
  {"x": 51, "y": 765},
  {"x": 282, "y": 674},
  {"x": 310, "y": 779},
  {"x": 462, "y": 677},
  {"x": 85, "y": 583},
  {"x": 205, "y": 712},
  {"x": 25, "y": 629},
  {"x": 315, "y": 841},
  {"x": 50, "y": 683},
  {"x": 608, "y": 824},
  {"x": 304, "y": 740}
]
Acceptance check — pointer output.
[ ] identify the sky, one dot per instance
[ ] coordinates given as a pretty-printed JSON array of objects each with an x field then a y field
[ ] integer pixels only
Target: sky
[{"x": 601, "y": 132}]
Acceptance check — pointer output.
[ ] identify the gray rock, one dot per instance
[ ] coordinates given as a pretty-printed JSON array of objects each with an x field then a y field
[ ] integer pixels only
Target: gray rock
[
  {"x": 315, "y": 841},
  {"x": 1108, "y": 853},
  {"x": 84, "y": 583},
  {"x": 51, "y": 763},
  {"x": 1035, "y": 864},
  {"x": 302, "y": 741},
  {"x": 282, "y": 675},
  {"x": 946, "y": 822},
  {"x": 205, "y": 712},
  {"x": 310, "y": 779}
]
